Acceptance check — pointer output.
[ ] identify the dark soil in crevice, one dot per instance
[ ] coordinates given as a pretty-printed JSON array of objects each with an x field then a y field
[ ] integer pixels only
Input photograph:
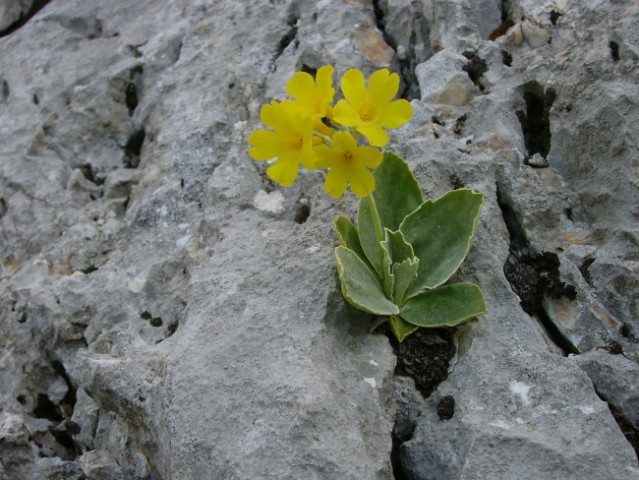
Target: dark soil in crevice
[
  {"x": 423, "y": 356},
  {"x": 475, "y": 68},
  {"x": 533, "y": 275}
]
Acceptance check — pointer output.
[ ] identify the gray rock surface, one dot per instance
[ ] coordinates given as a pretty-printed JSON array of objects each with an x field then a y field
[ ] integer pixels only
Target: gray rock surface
[{"x": 166, "y": 312}]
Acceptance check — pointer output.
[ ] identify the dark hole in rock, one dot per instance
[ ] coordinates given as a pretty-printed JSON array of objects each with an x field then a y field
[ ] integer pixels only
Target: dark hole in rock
[
  {"x": 45, "y": 408},
  {"x": 302, "y": 210},
  {"x": 446, "y": 408},
  {"x": 585, "y": 267},
  {"x": 455, "y": 181},
  {"x": 134, "y": 50},
  {"x": 505, "y": 10},
  {"x": 5, "y": 91},
  {"x": 89, "y": 269},
  {"x": 568, "y": 212},
  {"x": 437, "y": 121},
  {"x": 68, "y": 402},
  {"x": 3, "y": 207},
  {"x": 156, "y": 322},
  {"x": 133, "y": 148},
  {"x": 21, "y": 399},
  {"x": 409, "y": 88},
  {"x": 146, "y": 315},
  {"x": 36, "y": 6},
  {"x": 35, "y": 99},
  {"x": 171, "y": 329},
  {"x": 131, "y": 97},
  {"x": 131, "y": 92},
  {"x": 403, "y": 430},
  {"x": 21, "y": 317},
  {"x": 475, "y": 68},
  {"x": 554, "y": 16},
  {"x": 65, "y": 438},
  {"x": 459, "y": 124},
  {"x": 287, "y": 38},
  {"x": 89, "y": 174},
  {"x": 614, "y": 50},
  {"x": 627, "y": 331},
  {"x": 535, "y": 121},
  {"x": 506, "y": 58}
]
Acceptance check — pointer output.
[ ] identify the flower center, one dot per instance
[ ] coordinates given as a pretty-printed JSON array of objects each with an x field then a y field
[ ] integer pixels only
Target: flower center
[
  {"x": 347, "y": 156},
  {"x": 367, "y": 113},
  {"x": 298, "y": 143}
]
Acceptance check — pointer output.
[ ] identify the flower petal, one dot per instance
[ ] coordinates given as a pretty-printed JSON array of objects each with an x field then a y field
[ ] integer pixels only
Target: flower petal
[
  {"x": 266, "y": 145},
  {"x": 383, "y": 86},
  {"x": 376, "y": 135},
  {"x": 324, "y": 80},
  {"x": 335, "y": 183},
  {"x": 344, "y": 141},
  {"x": 345, "y": 114},
  {"x": 284, "y": 171},
  {"x": 277, "y": 115},
  {"x": 362, "y": 182},
  {"x": 301, "y": 86},
  {"x": 370, "y": 157},
  {"x": 325, "y": 157},
  {"x": 395, "y": 114},
  {"x": 353, "y": 87}
]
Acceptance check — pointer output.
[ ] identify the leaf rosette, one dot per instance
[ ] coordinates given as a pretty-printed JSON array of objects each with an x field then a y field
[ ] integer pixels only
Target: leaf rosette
[{"x": 404, "y": 249}]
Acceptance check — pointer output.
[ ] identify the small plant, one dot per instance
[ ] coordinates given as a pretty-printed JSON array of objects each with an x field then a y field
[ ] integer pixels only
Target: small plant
[{"x": 404, "y": 249}]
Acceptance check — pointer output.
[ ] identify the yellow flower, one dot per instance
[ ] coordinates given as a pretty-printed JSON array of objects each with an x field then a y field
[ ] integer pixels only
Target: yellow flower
[
  {"x": 315, "y": 96},
  {"x": 291, "y": 141},
  {"x": 348, "y": 164},
  {"x": 369, "y": 108}
]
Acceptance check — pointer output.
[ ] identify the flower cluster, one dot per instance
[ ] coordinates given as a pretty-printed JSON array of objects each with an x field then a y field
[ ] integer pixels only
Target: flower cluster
[{"x": 309, "y": 130}]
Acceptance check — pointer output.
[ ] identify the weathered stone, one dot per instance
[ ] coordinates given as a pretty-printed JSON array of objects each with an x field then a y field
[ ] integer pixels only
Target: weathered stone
[
  {"x": 616, "y": 379},
  {"x": 168, "y": 312}
]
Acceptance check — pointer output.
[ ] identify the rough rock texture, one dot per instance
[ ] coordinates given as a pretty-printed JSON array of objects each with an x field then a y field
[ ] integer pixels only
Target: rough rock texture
[{"x": 166, "y": 312}]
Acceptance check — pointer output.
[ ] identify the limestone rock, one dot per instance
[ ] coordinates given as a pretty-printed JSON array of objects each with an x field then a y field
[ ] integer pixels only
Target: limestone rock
[{"x": 167, "y": 312}]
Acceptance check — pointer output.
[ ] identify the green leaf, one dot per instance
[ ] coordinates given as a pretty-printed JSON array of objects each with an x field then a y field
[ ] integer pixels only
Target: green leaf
[
  {"x": 388, "y": 279},
  {"x": 445, "y": 306},
  {"x": 400, "y": 266},
  {"x": 397, "y": 246},
  {"x": 370, "y": 233},
  {"x": 401, "y": 328},
  {"x": 348, "y": 235},
  {"x": 441, "y": 233},
  {"x": 397, "y": 192},
  {"x": 360, "y": 286},
  {"x": 403, "y": 275}
]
